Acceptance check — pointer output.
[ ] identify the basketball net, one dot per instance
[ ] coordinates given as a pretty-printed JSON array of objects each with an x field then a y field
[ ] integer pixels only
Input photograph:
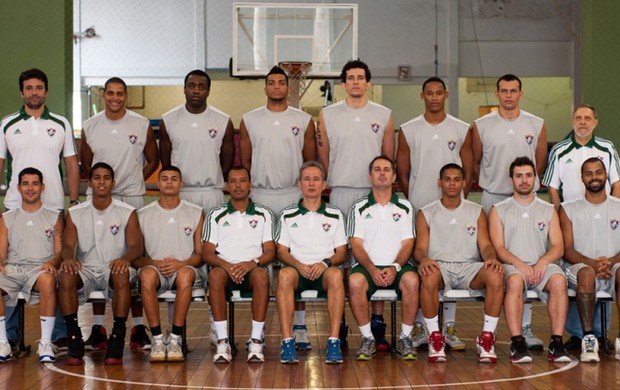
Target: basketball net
[{"x": 297, "y": 85}]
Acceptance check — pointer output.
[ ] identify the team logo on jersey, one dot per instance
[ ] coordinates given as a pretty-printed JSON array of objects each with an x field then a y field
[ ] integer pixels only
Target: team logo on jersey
[
  {"x": 327, "y": 226},
  {"x": 212, "y": 133},
  {"x": 51, "y": 131},
  {"x": 451, "y": 144},
  {"x": 225, "y": 224},
  {"x": 294, "y": 225},
  {"x": 295, "y": 130},
  {"x": 613, "y": 223},
  {"x": 133, "y": 139},
  {"x": 17, "y": 131},
  {"x": 114, "y": 229},
  {"x": 49, "y": 232},
  {"x": 188, "y": 230},
  {"x": 368, "y": 216},
  {"x": 253, "y": 223},
  {"x": 396, "y": 217},
  {"x": 375, "y": 127},
  {"x": 541, "y": 225},
  {"x": 471, "y": 229},
  {"x": 529, "y": 139}
]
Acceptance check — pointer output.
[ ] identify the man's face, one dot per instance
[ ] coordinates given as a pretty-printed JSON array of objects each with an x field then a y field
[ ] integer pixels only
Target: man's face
[
  {"x": 34, "y": 93},
  {"x": 102, "y": 183},
  {"x": 434, "y": 96},
  {"x": 115, "y": 97},
  {"x": 30, "y": 188},
  {"x": 451, "y": 183},
  {"x": 584, "y": 123},
  {"x": 594, "y": 177},
  {"x": 355, "y": 84},
  {"x": 196, "y": 91},
  {"x": 239, "y": 184},
  {"x": 382, "y": 176},
  {"x": 523, "y": 179},
  {"x": 276, "y": 88},
  {"x": 169, "y": 183},
  {"x": 311, "y": 183},
  {"x": 509, "y": 94}
]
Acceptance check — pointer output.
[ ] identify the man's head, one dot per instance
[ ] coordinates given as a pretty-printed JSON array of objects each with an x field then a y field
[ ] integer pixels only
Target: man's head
[
  {"x": 170, "y": 180},
  {"x": 312, "y": 179},
  {"x": 101, "y": 179},
  {"x": 115, "y": 95},
  {"x": 33, "y": 87},
  {"x": 584, "y": 122},
  {"x": 355, "y": 78},
  {"x": 509, "y": 91},
  {"x": 593, "y": 175},
  {"x": 239, "y": 183},
  {"x": 451, "y": 180},
  {"x": 382, "y": 172},
  {"x": 434, "y": 94},
  {"x": 276, "y": 84},
  {"x": 197, "y": 86},
  {"x": 30, "y": 185},
  {"x": 523, "y": 174}
]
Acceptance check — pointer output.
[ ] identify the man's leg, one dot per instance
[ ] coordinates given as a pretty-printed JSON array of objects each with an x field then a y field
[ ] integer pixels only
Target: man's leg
[
  {"x": 218, "y": 281},
  {"x": 98, "y": 338},
  {"x": 586, "y": 303},
  {"x": 259, "y": 284},
  {"x": 409, "y": 286},
  {"x": 493, "y": 283},
  {"x": 67, "y": 297},
  {"x": 149, "y": 283},
  {"x": 121, "y": 300},
  {"x": 513, "y": 310},
  {"x": 531, "y": 341},
  {"x": 46, "y": 286},
  {"x": 334, "y": 285},
  {"x": 429, "y": 300},
  {"x": 288, "y": 279},
  {"x": 557, "y": 307},
  {"x": 186, "y": 276},
  {"x": 5, "y": 348},
  {"x": 358, "y": 300}
]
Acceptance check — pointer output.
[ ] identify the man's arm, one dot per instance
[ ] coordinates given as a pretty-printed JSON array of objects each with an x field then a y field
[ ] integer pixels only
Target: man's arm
[
  {"x": 227, "y": 150},
  {"x": 496, "y": 232},
  {"x": 571, "y": 255},
  {"x": 485, "y": 246},
  {"x": 151, "y": 155},
  {"x": 69, "y": 263},
  {"x": 165, "y": 145},
  {"x": 387, "y": 146},
  {"x": 59, "y": 226},
  {"x": 322, "y": 142},
  {"x": 554, "y": 197},
  {"x": 476, "y": 149},
  {"x": 73, "y": 177},
  {"x": 4, "y": 243},
  {"x": 615, "y": 188},
  {"x": 403, "y": 163},
  {"x": 556, "y": 244},
  {"x": 245, "y": 147},
  {"x": 467, "y": 159},
  {"x": 541, "y": 152},
  {"x": 309, "y": 150},
  {"x": 86, "y": 154}
]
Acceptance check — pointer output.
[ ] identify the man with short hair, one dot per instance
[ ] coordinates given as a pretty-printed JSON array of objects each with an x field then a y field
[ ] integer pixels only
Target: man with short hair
[
  {"x": 381, "y": 234},
  {"x": 30, "y": 241},
  {"x": 497, "y": 139},
  {"x": 312, "y": 243},
  {"x": 455, "y": 252},
  {"x": 238, "y": 243},
  {"x": 527, "y": 236},
  {"x": 172, "y": 229},
  {"x": 592, "y": 250},
  {"x": 108, "y": 239}
]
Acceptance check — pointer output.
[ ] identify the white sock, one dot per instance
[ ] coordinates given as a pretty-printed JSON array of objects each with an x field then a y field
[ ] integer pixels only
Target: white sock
[
  {"x": 432, "y": 324},
  {"x": 47, "y": 327},
  {"x": 449, "y": 313},
  {"x": 527, "y": 314},
  {"x": 405, "y": 330},
  {"x": 419, "y": 318},
  {"x": 257, "y": 330},
  {"x": 138, "y": 320},
  {"x": 99, "y": 319},
  {"x": 221, "y": 327},
  {"x": 299, "y": 317},
  {"x": 3, "y": 330},
  {"x": 366, "y": 332},
  {"x": 490, "y": 323}
]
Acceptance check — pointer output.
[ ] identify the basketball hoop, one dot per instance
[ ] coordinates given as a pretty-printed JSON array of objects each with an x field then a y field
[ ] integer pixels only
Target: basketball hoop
[{"x": 297, "y": 72}]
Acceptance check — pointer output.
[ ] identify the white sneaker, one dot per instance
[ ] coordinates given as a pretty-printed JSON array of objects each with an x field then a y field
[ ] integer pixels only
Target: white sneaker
[
  {"x": 300, "y": 335},
  {"x": 223, "y": 353},
  {"x": 255, "y": 352},
  {"x": 589, "y": 349},
  {"x": 418, "y": 336},
  {"x": 452, "y": 340},
  {"x": 6, "y": 353},
  {"x": 174, "y": 349},
  {"x": 212, "y": 330},
  {"x": 531, "y": 341},
  {"x": 617, "y": 347},
  {"x": 158, "y": 349},
  {"x": 46, "y": 352}
]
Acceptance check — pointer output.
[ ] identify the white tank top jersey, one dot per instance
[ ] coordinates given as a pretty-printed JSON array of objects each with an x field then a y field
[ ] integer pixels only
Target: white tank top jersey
[{"x": 31, "y": 235}]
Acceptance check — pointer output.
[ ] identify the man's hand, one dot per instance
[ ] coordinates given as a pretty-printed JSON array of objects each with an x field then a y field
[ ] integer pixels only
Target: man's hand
[
  {"x": 316, "y": 270},
  {"x": 70, "y": 266},
  {"x": 48, "y": 267},
  {"x": 389, "y": 275},
  {"x": 168, "y": 266},
  {"x": 119, "y": 266},
  {"x": 493, "y": 265},
  {"x": 239, "y": 270},
  {"x": 527, "y": 271},
  {"x": 539, "y": 272},
  {"x": 428, "y": 266},
  {"x": 377, "y": 277},
  {"x": 603, "y": 268},
  {"x": 2, "y": 270}
]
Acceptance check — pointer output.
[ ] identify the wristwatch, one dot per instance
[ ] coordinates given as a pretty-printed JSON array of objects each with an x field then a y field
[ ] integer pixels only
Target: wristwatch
[
  {"x": 256, "y": 261},
  {"x": 327, "y": 262},
  {"x": 396, "y": 266},
  {"x": 74, "y": 202}
]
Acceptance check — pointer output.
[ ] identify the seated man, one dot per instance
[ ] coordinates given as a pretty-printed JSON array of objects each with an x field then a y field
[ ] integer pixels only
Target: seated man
[
  {"x": 452, "y": 236},
  {"x": 311, "y": 243},
  {"x": 527, "y": 237},
  {"x": 30, "y": 242},
  {"x": 592, "y": 250},
  {"x": 381, "y": 235},
  {"x": 237, "y": 245},
  {"x": 172, "y": 229},
  {"x": 108, "y": 239}
]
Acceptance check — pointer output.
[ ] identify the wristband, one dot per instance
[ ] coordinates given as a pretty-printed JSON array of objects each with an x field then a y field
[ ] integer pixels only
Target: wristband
[
  {"x": 74, "y": 202},
  {"x": 327, "y": 262},
  {"x": 257, "y": 262},
  {"x": 396, "y": 266}
]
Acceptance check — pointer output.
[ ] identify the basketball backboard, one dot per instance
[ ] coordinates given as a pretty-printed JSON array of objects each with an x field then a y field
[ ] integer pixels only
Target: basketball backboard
[{"x": 265, "y": 34}]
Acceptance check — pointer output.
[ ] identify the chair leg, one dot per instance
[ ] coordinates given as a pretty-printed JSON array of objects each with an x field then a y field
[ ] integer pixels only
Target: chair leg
[
  {"x": 393, "y": 307},
  {"x": 231, "y": 326},
  {"x": 21, "y": 342},
  {"x": 603, "y": 305}
]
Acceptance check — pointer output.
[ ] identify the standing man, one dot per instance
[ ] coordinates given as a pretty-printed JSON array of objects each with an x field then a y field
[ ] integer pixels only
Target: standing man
[
  {"x": 172, "y": 229},
  {"x": 312, "y": 244},
  {"x": 452, "y": 236},
  {"x": 425, "y": 144},
  {"x": 527, "y": 236},
  {"x": 36, "y": 137},
  {"x": 124, "y": 140},
  {"x": 108, "y": 239},
  {"x": 381, "y": 233},
  {"x": 350, "y": 134},
  {"x": 238, "y": 243},
  {"x": 497, "y": 139},
  {"x": 592, "y": 250},
  {"x": 30, "y": 241}
]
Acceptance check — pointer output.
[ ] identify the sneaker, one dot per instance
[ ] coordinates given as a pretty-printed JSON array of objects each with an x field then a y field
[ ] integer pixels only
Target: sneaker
[
  {"x": 46, "y": 352},
  {"x": 98, "y": 338},
  {"x": 255, "y": 352},
  {"x": 249, "y": 340},
  {"x": 5, "y": 351},
  {"x": 114, "y": 353},
  {"x": 377, "y": 327},
  {"x": 334, "y": 352},
  {"x": 557, "y": 353},
  {"x": 485, "y": 347},
  {"x": 367, "y": 349},
  {"x": 138, "y": 338},
  {"x": 436, "y": 347},
  {"x": 452, "y": 340},
  {"x": 75, "y": 351},
  {"x": 617, "y": 346},
  {"x": 287, "y": 352},
  {"x": 589, "y": 349},
  {"x": 158, "y": 349},
  {"x": 531, "y": 341},
  {"x": 300, "y": 335},
  {"x": 61, "y": 344},
  {"x": 418, "y": 336},
  {"x": 573, "y": 344},
  {"x": 223, "y": 353},
  {"x": 518, "y": 352},
  {"x": 405, "y": 349},
  {"x": 174, "y": 349},
  {"x": 343, "y": 333}
]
